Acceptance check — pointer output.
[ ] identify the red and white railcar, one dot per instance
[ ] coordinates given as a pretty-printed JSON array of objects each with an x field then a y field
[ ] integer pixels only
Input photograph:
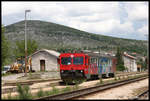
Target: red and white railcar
[{"x": 76, "y": 66}]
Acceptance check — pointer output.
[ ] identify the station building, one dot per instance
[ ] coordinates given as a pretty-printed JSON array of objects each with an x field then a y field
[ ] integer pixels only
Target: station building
[
  {"x": 130, "y": 62},
  {"x": 45, "y": 60}
]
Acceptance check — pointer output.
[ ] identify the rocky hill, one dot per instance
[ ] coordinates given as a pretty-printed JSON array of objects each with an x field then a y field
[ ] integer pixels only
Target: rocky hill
[{"x": 51, "y": 36}]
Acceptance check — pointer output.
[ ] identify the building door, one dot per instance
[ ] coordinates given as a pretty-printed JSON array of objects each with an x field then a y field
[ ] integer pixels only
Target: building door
[{"x": 42, "y": 65}]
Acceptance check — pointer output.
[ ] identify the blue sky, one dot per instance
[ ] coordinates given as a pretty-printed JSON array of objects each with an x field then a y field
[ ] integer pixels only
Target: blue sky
[{"x": 117, "y": 19}]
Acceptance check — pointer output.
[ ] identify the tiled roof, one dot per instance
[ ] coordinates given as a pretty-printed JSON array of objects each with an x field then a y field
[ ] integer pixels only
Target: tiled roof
[
  {"x": 52, "y": 52},
  {"x": 132, "y": 57}
]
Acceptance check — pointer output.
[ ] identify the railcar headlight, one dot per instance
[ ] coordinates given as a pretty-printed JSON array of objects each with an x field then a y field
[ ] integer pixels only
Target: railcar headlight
[
  {"x": 81, "y": 71},
  {"x": 62, "y": 71}
]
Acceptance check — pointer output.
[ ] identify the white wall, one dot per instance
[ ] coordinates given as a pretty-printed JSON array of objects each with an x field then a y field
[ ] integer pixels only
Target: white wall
[
  {"x": 50, "y": 61},
  {"x": 130, "y": 64}
]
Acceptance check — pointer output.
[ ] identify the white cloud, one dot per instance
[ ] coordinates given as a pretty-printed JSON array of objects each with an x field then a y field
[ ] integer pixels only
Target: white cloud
[
  {"x": 137, "y": 10},
  {"x": 95, "y": 17},
  {"x": 143, "y": 30},
  {"x": 11, "y": 8}
]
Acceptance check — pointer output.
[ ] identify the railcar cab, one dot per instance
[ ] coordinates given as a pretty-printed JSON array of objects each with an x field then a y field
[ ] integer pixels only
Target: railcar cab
[{"x": 72, "y": 65}]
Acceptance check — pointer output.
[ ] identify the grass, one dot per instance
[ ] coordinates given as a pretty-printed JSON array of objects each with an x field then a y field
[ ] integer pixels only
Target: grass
[
  {"x": 139, "y": 90},
  {"x": 6, "y": 74},
  {"x": 24, "y": 92},
  {"x": 115, "y": 78},
  {"x": 66, "y": 89},
  {"x": 101, "y": 81},
  {"x": 40, "y": 93},
  {"x": 9, "y": 96},
  {"x": 55, "y": 90},
  {"x": 35, "y": 76}
]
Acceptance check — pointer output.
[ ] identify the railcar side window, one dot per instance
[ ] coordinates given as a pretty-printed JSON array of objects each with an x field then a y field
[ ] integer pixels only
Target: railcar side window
[
  {"x": 66, "y": 60},
  {"x": 78, "y": 60}
]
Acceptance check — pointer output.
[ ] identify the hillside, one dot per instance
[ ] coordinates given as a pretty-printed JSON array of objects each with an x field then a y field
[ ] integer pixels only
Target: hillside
[{"x": 51, "y": 36}]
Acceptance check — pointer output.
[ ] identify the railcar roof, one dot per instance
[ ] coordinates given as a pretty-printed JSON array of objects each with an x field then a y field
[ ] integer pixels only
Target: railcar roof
[
  {"x": 99, "y": 55},
  {"x": 87, "y": 54},
  {"x": 75, "y": 54}
]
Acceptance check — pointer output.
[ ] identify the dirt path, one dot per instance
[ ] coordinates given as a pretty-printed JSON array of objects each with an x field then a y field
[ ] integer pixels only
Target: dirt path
[{"x": 122, "y": 92}]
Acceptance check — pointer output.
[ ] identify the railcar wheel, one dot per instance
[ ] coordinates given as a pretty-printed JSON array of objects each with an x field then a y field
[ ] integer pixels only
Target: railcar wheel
[
  {"x": 67, "y": 81},
  {"x": 111, "y": 74},
  {"x": 74, "y": 81}
]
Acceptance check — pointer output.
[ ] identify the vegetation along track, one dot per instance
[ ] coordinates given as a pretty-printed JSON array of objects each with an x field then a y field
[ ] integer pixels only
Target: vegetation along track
[
  {"x": 143, "y": 95},
  {"x": 30, "y": 82},
  {"x": 85, "y": 91}
]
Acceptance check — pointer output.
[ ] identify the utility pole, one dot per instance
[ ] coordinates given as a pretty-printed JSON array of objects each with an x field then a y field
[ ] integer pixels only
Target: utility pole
[{"x": 26, "y": 43}]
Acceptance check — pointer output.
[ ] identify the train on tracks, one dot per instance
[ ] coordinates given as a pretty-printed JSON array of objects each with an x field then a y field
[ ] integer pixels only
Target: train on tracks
[{"x": 79, "y": 66}]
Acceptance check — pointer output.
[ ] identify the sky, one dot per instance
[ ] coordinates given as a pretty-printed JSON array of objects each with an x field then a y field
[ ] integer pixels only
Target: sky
[{"x": 118, "y": 19}]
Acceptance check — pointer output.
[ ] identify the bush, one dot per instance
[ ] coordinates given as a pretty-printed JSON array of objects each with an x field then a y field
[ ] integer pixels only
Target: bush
[
  {"x": 67, "y": 89},
  {"x": 101, "y": 81},
  {"x": 40, "y": 93},
  {"x": 55, "y": 90},
  {"x": 23, "y": 92},
  {"x": 115, "y": 78},
  {"x": 120, "y": 67}
]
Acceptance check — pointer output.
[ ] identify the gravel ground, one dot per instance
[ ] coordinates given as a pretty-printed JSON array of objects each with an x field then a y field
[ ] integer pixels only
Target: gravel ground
[
  {"x": 36, "y": 75},
  {"x": 12, "y": 77},
  {"x": 121, "y": 92}
]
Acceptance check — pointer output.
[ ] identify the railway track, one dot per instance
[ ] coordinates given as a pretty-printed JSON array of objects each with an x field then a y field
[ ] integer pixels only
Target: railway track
[
  {"x": 30, "y": 82},
  {"x": 12, "y": 86},
  {"x": 143, "y": 95},
  {"x": 130, "y": 73},
  {"x": 85, "y": 91}
]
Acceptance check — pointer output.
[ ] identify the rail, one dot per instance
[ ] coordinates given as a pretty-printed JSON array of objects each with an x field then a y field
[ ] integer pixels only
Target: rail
[
  {"x": 141, "y": 95},
  {"x": 85, "y": 91},
  {"x": 14, "y": 85},
  {"x": 28, "y": 82}
]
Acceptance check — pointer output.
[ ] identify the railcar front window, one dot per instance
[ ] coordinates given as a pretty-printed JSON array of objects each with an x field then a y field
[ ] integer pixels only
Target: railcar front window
[
  {"x": 66, "y": 60},
  {"x": 78, "y": 60}
]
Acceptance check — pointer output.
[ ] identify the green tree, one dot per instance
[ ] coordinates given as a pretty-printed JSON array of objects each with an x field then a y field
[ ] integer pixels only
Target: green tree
[
  {"x": 143, "y": 63},
  {"x": 120, "y": 63},
  {"x": 5, "y": 48},
  {"x": 20, "y": 48},
  {"x": 120, "y": 67}
]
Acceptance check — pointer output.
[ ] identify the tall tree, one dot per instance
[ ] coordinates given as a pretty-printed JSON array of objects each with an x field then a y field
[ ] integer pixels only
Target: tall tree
[
  {"x": 20, "y": 48},
  {"x": 5, "y": 48},
  {"x": 120, "y": 63}
]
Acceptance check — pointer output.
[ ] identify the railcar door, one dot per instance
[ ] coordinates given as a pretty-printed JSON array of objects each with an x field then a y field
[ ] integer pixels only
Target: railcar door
[{"x": 86, "y": 65}]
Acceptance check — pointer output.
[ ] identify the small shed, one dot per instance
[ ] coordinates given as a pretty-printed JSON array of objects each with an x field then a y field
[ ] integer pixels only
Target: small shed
[
  {"x": 130, "y": 62},
  {"x": 45, "y": 60}
]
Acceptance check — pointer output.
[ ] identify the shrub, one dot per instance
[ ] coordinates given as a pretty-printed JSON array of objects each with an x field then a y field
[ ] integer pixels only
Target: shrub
[
  {"x": 115, "y": 78},
  {"x": 23, "y": 92},
  {"x": 66, "y": 89},
  {"x": 55, "y": 90},
  {"x": 101, "y": 81},
  {"x": 40, "y": 93},
  {"x": 120, "y": 67},
  {"x": 9, "y": 96}
]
